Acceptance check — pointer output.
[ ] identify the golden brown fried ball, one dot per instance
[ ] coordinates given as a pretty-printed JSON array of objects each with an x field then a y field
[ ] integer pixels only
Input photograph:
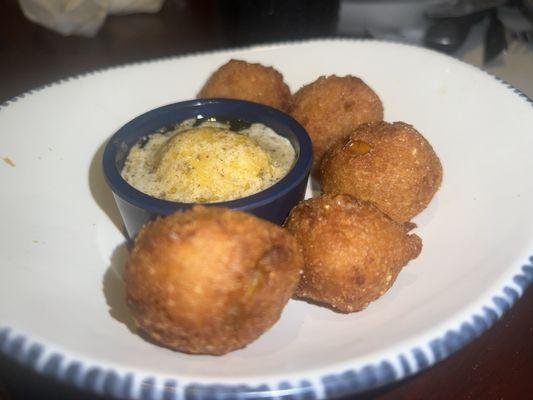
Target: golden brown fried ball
[
  {"x": 331, "y": 107},
  {"x": 210, "y": 280},
  {"x": 246, "y": 81},
  {"x": 353, "y": 252},
  {"x": 391, "y": 165}
]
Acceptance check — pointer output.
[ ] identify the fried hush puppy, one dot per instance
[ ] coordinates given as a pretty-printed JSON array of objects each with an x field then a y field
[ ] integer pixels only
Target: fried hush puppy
[
  {"x": 331, "y": 107},
  {"x": 247, "y": 81},
  {"x": 210, "y": 280},
  {"x": 352, "y": 251},
  {"x": 391, "y": 165}
]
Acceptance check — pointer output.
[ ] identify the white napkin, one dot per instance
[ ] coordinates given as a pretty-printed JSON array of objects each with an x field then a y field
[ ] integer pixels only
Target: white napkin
[{"x": 81, "y": 17}]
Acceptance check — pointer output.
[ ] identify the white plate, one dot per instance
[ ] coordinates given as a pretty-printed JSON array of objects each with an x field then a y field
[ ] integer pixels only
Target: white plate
[{"x": 61, "y": 247}]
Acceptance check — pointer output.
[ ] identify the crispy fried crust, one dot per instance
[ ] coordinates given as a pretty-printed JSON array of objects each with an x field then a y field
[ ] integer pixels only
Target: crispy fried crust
[
  {"x": 331, "y": 107},
  {"x": 353, "y": 252},
  {"x": 210, "y": 280},
  {"x": 246, "y": 81},
  {"x": 391, "y": 165}
]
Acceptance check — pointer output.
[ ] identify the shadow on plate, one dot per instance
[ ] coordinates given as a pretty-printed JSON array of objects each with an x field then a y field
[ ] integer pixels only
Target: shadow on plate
[
  {"x": 316, "y": 189},
  {"x": 101, "y": 192},
  {"x": 115, "y": 289}
]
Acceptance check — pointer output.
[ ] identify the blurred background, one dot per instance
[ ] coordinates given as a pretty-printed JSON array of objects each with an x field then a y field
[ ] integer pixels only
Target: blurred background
[{"x": 67, "y": 37}]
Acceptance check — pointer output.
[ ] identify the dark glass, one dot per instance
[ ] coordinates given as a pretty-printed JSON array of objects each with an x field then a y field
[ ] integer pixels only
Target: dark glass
[{"x": 256, "y": 21}]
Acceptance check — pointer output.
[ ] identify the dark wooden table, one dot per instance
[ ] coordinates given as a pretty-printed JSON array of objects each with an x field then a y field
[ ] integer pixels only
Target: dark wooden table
[{"x": 498, "y": 365}]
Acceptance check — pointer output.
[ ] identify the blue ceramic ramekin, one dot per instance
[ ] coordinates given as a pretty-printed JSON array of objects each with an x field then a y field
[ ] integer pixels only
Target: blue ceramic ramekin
[{"x": 273, "y": 203}]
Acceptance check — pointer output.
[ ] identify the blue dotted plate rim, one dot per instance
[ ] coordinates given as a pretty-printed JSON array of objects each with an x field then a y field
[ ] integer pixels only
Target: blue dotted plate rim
[{"x": 131, "y": 385}]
